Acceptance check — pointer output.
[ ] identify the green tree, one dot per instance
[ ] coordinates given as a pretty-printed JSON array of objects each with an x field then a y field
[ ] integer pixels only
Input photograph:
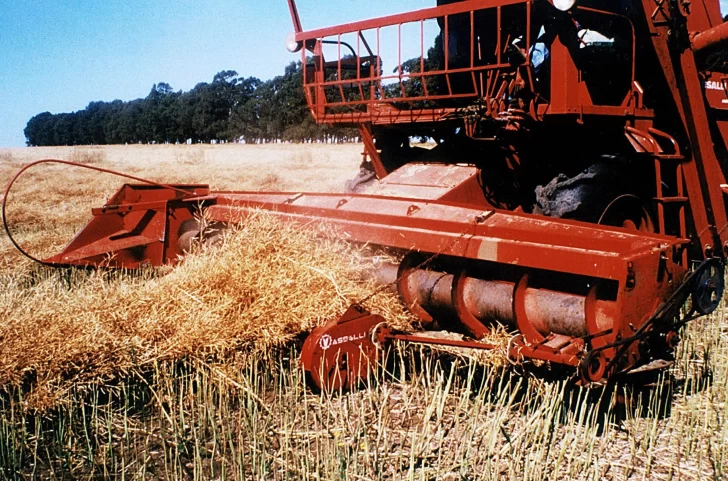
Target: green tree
[
  {"x": 39, "y": 130},
  {"x": 229, "y": 108}
]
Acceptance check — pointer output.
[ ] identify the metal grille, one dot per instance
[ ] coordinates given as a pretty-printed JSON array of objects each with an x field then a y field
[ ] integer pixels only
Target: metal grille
[{"x": 458, "y": 54}]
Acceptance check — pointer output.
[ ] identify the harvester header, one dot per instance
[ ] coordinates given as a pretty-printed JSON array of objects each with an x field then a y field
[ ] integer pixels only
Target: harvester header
[{"x": 572, "y": 186}]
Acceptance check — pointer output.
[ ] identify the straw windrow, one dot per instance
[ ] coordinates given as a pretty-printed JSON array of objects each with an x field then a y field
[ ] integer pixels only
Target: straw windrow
[{"x": 265, "y": 286}]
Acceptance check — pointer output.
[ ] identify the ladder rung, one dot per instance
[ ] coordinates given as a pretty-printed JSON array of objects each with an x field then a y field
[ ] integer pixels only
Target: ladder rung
[
  {"x": 669, "y": 157},
  {"x": 670, "y": 200}
]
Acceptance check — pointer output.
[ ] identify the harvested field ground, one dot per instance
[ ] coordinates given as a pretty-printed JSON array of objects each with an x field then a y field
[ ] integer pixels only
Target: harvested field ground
[{"x": 191, "y": 373}]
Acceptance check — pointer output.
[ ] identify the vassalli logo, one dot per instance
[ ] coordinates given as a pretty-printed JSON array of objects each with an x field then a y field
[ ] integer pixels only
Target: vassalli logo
[{"x": 328, "y": 341}]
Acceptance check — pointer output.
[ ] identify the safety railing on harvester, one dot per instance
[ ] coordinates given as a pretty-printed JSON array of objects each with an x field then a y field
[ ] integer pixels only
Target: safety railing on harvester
[
  {"x": 460, "y": 52},
  {"x": 499, "y": 54}
]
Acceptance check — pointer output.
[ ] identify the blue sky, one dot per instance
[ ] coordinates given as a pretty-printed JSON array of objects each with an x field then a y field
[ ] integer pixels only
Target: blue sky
[{"x": 58, "y": 55}]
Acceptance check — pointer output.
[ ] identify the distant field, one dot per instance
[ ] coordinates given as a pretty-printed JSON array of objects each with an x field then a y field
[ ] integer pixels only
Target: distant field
[{"x": 191, "y": 373}]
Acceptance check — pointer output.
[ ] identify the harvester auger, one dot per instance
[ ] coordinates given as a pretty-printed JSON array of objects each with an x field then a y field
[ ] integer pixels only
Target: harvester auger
[{"x": 575, "y": 191}]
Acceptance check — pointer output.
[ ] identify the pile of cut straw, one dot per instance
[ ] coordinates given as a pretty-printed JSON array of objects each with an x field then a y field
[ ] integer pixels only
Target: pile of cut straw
[{"x": 267, "y": 284}]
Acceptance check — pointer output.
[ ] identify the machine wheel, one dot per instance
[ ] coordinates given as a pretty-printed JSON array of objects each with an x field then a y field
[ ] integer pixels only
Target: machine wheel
[
  {"x": 583, "y": 196},
  {"x": 708, "y": 288},
  {"x": 593, "y": 367},
  {"x": 193, "y": 232},
  {"x": 627, "y": 211}
]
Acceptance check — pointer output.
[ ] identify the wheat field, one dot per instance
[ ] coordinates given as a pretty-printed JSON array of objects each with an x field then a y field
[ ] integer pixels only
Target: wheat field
[{"x": 191, "y": 372}]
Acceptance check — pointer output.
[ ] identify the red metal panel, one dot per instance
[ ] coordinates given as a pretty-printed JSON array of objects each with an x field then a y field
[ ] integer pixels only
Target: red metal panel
[
  {"x": 457, "y": 230},
  {"x": 447, "y": 182}
]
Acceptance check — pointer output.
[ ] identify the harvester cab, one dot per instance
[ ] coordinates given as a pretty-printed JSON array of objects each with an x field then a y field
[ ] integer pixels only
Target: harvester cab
[{"x": 572, "y": 185}]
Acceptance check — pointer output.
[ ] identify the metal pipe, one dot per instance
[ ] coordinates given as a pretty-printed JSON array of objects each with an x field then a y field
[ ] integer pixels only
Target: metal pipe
[
  {"x": 711, "y": 39},
  {"x": 492, "y": 301}
]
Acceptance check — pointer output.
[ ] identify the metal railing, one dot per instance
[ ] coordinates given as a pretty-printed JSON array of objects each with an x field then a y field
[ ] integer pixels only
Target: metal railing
[{"x": 461, "y": 53}]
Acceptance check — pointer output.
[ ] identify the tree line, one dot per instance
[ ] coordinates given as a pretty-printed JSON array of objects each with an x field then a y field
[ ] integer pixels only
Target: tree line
[{"x": 229, "y": 109}]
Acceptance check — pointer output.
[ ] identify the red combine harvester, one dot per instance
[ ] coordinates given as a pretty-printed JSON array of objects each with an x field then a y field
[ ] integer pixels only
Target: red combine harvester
[{"x": 575, "y": 191}]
